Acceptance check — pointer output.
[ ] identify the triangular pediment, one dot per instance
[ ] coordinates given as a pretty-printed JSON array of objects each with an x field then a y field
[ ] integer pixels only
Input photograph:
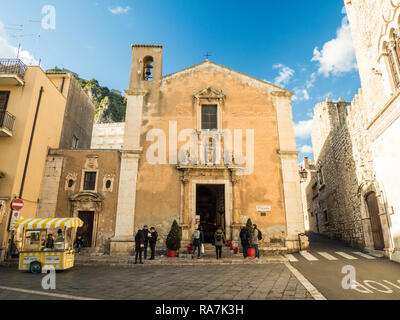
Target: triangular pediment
[
  {"x": 258, "y": 83},
  {"x": 209, "y": 93}
]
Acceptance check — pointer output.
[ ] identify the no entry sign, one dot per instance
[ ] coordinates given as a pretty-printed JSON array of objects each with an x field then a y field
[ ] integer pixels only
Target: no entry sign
[{"x": 17, "y": 204}]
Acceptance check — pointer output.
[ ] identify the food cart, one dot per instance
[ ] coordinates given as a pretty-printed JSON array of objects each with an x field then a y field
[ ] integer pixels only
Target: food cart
[{"x": 47, "y": 242}]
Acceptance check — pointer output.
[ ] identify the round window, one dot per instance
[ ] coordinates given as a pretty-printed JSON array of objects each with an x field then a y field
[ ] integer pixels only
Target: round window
[{"x": 70, "y": 183}]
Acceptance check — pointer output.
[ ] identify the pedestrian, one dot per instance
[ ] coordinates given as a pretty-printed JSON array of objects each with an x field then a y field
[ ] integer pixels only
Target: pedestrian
[
  {"x": 219, "y": 240},
  {"x": 50, "y": 241},
  {"x": 146, "y": 234},
  {"x": 244, "y": 238},
  {"x": 198, "y": 239},
  {"x": 256, "y": 239},
  {"x": 152, "y": 241},
  {"x": 139, "y": 245},
  {"x": 78, "y": 243}
]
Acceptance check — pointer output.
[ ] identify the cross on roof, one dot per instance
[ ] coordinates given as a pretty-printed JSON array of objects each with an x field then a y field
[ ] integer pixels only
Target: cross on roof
[{"x": 207, "y": 55}]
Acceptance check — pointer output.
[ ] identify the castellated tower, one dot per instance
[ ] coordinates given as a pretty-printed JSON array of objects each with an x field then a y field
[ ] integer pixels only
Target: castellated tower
[{"x": 328, "y": 117}]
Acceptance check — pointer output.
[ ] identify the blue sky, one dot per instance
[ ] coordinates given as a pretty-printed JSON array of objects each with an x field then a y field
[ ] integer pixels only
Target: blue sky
[{"x": 304, "y": 46}]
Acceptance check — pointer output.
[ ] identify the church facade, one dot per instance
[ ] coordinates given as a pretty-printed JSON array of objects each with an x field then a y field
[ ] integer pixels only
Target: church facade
[{"x": 206, "y": 145}]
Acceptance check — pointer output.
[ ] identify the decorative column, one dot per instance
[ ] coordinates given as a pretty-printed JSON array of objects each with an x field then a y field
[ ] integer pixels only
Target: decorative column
[
  {"x": 124, "y": 238},
  {"x": 185, "y": 222},
  {"x": 236, "y": 221}
]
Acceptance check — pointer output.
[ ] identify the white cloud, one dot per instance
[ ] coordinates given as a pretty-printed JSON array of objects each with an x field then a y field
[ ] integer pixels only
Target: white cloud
[
  {"x": 303, "y": 129},
  {"x": 119, "y": 10},
  {"x": 285, "y": 74},
  {"x": 337, "y": 56},
  {"x": 311, "y": 81},
  {"x": 7, "y": 50},
  {"x": 306, "y": 149},
  {"x": 300, "y": 94}
]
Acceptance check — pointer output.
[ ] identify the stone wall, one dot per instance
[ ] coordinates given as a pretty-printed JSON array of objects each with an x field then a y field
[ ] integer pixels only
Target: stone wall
[{"x": 338, "y": 198}]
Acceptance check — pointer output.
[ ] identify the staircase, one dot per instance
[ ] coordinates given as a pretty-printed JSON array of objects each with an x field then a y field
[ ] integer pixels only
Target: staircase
[{"x": 209, "y": 252}]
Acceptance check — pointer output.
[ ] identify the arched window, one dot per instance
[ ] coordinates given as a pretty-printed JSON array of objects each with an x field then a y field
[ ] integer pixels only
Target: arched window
[
  {"x": 148, "y": 68},
  {"x": 392, "y": 64}
]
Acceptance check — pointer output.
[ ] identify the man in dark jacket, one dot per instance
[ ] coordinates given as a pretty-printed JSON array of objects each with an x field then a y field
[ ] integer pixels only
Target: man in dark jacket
[
  {"x": 245, "y": 241},
  {"x": 152, "y": 241},
  {"x": 146, "y": 234},
  {"x": 139, "y": 245},
  {"x": 219, "y": 240}
]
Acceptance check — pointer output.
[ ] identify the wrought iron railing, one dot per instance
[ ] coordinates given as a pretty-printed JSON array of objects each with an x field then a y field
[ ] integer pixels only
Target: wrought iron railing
[
  {"x": 12, "y": 66},
  {"x": 6, "y": 120}
]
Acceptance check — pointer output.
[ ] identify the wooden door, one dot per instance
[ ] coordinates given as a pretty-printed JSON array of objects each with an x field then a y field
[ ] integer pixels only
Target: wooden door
[
  {"x": 376, "y": 227},
  {"x": 86, "y": 231}
]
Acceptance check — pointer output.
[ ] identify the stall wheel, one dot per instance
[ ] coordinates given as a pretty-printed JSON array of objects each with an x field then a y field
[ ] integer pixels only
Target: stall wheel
[{"x": 35, "y": 267}]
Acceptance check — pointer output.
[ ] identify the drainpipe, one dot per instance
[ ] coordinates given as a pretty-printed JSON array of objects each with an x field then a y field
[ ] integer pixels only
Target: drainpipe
[
  {"x": 62, "y": 85},
  {"x": 30, "y": 143}
]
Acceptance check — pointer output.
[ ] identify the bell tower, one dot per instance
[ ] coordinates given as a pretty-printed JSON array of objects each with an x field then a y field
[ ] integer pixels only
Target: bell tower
[
  {"x": 144, "y": 87},
  {"x": 146, "y": 68}
]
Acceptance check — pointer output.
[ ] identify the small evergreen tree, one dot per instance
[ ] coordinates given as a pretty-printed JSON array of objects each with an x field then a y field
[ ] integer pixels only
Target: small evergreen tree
[
  {"x": 173, "y": 241},
  {"x": 250, "y": 230}
]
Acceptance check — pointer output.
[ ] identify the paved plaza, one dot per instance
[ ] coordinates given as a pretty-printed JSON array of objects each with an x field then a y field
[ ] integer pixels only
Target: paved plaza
[{"x": 271, "y": 281}]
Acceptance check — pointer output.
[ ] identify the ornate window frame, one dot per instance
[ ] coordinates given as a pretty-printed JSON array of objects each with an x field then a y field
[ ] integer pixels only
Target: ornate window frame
[{"x": 209, "y": 96}]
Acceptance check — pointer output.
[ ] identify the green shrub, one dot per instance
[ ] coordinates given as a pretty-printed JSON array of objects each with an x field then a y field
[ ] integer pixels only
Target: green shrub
[
  {"x": 174, "y": 237},
  {"x": 250, "y": 230}
]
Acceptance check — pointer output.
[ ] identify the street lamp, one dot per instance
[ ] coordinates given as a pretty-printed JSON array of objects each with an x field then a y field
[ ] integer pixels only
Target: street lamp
[{"x": 303, "y": 175}]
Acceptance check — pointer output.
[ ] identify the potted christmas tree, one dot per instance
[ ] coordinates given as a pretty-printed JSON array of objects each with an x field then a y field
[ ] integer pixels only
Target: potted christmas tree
[
  {"x": 251, "y": 252},
  {"x": 173, "y": 240}
]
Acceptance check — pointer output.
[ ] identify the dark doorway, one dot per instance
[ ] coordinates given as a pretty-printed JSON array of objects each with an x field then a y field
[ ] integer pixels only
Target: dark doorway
[
  {"x": 376, "y": 227},
  {"x": 86, "y": 231},
  {"x": 210, "y": 206}
]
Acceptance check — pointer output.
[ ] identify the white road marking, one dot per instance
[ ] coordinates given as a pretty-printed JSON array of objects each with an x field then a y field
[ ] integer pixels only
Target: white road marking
[
  {"x": 327, "y": 256},
  {"x": 307, "y": 284},
  {"x": 308, "y": 256},
  {"x": 291, "y": 258},
  {"x": 367, "y": 256},
  {"x": 57, "y": 295},
  {"x": 345, "y": 255}
]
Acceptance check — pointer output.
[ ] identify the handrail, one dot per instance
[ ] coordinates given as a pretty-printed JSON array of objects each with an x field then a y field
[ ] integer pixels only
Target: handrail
[
  {"x": 6, "y": 120},
  {"x": 12, "y": 66}
]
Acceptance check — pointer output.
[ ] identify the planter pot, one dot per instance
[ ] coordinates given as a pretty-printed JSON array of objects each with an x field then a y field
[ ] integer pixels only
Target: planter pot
[
  {"x": 251, "y": 252},
  {"x": 171, "y": 253}
]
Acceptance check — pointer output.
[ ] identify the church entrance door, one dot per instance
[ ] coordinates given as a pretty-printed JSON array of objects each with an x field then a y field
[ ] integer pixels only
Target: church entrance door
[{"x": 210, "y": 206}]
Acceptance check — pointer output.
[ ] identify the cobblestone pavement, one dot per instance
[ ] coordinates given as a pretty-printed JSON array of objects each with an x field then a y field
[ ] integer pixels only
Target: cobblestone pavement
[{"x": 155, "y": 282}]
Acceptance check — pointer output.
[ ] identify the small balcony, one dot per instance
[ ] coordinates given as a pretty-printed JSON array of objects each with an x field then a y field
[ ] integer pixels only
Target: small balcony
[
  {"x": 12, "y": 72},
  {"x": 6, "y": 123}
]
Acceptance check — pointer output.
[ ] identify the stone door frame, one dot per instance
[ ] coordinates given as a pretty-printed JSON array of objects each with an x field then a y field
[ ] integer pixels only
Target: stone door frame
[
  {"x": 88, "y": 201},
  {"x": 228, "y": 201}
]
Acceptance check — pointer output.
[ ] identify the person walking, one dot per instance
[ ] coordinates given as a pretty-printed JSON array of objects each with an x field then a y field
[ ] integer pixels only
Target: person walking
[
  {"x": 219, "y": 240},
  {"x": 139, "y": 245},
  {"x": 146, "y": 234},
  {"x": 244, "y": 235},
  {"x": 152, "y": 241},
  {"x": 198, "y": 239},
  {"x": 78, "y": 244},
  {"x": 256, "y": 240}
]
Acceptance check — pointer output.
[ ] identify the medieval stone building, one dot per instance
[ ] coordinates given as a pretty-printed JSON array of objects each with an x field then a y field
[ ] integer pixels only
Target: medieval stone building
[
  {"x": 356, "y": 144},
  {"x": 206, "y": 145}
]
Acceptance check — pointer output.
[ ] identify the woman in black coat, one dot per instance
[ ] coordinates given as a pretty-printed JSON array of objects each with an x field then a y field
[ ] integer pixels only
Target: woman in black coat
[{"x": 139, "y": 245}]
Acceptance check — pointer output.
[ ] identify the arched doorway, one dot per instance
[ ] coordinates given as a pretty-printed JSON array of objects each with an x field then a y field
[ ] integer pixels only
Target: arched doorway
[{"x": 376, "y": 227}]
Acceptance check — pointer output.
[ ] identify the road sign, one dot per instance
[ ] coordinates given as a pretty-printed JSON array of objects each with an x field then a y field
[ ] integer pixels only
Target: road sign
[{"x": 17, "y": 204}]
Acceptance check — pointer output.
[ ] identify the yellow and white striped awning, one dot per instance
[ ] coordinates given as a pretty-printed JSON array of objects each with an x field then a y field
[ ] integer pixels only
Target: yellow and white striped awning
[{"x": 40, "y": 223}]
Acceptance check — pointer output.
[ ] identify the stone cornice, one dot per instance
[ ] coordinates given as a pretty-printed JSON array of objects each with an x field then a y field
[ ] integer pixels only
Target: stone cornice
[
  {"x": 287, "y": 94},
  {"x": 136, "y": 92},
  {"x": 384, "y": 119},
  {"x": 288, "y": 153}
]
